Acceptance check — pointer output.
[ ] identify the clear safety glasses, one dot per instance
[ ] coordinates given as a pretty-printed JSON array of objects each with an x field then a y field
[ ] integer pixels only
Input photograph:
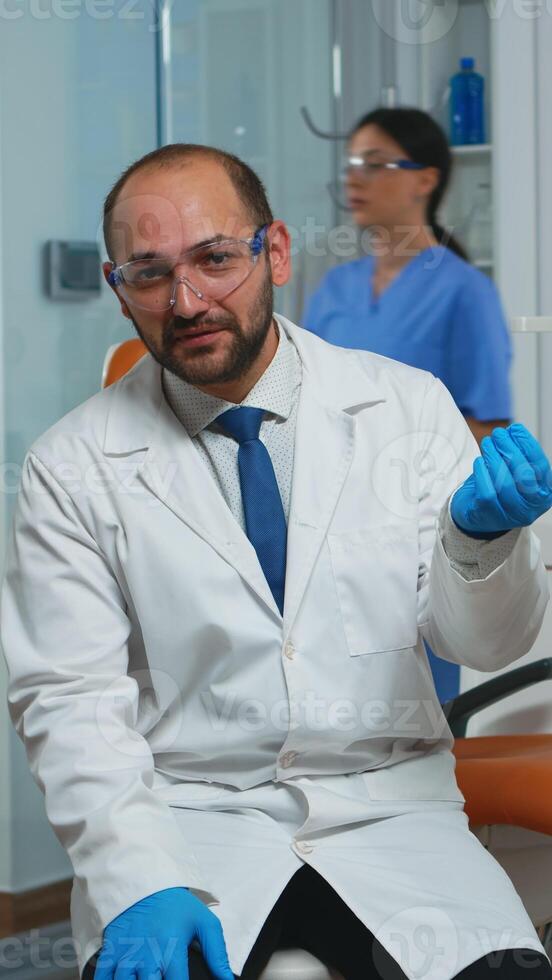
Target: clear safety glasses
[
  {"x": 364, "y": 167},
  {"x": 211, "y": 271}
]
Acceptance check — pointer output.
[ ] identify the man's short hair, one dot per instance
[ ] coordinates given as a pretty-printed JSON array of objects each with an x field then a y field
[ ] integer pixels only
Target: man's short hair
[{"x": 247, "y": 184}]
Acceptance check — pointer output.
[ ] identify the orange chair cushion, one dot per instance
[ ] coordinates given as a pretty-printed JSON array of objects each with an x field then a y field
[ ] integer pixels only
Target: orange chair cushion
[
  {"x": 123, "y": 359},
  {"x": 506, "y": 779}
]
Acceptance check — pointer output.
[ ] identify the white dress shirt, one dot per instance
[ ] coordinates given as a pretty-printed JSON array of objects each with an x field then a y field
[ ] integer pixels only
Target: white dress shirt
[{"x": 276, "y": 391}]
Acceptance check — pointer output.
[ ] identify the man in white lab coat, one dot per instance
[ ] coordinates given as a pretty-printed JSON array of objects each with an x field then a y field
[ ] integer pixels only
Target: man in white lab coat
[{"x": 214, "y": 634}]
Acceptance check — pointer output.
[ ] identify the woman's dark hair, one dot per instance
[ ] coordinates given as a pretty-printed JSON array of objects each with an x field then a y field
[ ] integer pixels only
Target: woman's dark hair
[{"x": 424, "y": 142}]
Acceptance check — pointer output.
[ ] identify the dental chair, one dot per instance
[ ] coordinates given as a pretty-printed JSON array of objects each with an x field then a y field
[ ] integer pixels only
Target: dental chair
[{"x": 506, "y": 779}]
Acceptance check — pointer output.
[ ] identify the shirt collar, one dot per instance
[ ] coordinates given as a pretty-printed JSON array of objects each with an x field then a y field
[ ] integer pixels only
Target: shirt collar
[{"x": 273, "y": 391}]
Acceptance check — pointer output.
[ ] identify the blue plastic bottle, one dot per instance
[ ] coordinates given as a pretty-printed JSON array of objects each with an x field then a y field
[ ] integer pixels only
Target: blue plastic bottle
[{"x": 467, "y": 124}]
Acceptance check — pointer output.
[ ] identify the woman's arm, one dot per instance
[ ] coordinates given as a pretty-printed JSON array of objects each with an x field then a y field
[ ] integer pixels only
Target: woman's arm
[{"x": 480, "y": 429}]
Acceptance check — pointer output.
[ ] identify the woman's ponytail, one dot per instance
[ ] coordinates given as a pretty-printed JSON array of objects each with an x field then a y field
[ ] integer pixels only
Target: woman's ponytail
[{"x": 443, "y": 236}]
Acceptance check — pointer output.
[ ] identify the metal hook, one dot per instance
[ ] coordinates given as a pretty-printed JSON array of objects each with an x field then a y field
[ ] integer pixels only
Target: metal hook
[{"x": 320, "y": 132}]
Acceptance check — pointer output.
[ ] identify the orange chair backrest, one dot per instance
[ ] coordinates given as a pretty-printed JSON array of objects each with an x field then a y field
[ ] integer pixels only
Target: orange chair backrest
[{"x": 123, "y": 358}]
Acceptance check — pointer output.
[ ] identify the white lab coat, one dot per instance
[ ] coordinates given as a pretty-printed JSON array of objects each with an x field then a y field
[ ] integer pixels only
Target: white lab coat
[{"x": 156, "y": 685}]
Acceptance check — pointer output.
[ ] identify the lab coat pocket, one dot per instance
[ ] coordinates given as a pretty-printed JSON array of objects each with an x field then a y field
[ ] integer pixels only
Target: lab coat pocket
[
  {"x": 376, "y": 577},
  {"x": 190, "y": 794},
  {"x": 429, "y": 776}
]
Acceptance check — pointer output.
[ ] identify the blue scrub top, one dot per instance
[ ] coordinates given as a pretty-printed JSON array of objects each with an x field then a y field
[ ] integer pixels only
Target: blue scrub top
[{"x": 440, "y": 314}]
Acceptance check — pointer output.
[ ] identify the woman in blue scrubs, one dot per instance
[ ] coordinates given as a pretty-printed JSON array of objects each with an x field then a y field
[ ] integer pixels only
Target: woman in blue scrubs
[{"x": 415, "y": 297}]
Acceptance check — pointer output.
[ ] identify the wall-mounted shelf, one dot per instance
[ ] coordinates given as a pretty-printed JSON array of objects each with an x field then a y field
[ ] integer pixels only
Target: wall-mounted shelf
[{"x": 472, "y": 150}]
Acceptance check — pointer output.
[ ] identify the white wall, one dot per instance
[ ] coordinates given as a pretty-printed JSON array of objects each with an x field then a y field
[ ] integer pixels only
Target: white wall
[
  {"x": 6, "y": 825},
  {"x": 77, "y": 104},
  {"x": 543, "y": 70},
  {"x": 516, "y": 193}
]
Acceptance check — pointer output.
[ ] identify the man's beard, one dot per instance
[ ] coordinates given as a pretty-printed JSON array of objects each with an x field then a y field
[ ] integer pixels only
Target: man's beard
[{"x": 200, "y": 368}]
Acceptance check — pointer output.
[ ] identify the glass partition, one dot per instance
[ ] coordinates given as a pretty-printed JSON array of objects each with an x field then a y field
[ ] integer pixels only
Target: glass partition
[{"x": 234, "y": 74}]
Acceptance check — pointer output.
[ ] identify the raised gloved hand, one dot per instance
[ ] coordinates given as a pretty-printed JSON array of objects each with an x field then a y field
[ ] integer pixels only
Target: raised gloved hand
[
  {"x": 511, "y": 485},
  {"x": 150, "y": 939}
]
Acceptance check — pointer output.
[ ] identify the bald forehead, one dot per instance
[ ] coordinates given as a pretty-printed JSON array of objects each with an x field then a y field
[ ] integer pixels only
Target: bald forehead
[
  {"x": 172, "y": 208},
  {"x": 187, "y": 180}
]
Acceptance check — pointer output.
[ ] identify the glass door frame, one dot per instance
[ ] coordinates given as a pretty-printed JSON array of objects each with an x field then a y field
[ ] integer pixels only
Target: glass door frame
[{"x": 165, "y": 129}]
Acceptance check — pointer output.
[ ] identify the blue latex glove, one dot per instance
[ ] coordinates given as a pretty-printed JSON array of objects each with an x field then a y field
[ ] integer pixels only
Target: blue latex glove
[
  {"x": 511, "y": 485},
  {"x": 150, "y": 939}
]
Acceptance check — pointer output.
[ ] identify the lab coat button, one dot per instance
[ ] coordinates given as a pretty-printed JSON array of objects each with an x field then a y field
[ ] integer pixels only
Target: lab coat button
[
  {"x": 287, "y": 759},
  {"x": 289, "y": 651},
  {"x": 303, "y": 847}
]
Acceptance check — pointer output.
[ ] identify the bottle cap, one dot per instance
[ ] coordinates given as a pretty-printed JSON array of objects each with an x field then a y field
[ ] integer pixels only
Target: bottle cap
[{"x": 467, "y": 62}]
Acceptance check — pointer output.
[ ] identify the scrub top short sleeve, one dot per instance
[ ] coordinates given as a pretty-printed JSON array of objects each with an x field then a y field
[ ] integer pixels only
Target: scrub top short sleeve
[{"x": 440, "y": 314}]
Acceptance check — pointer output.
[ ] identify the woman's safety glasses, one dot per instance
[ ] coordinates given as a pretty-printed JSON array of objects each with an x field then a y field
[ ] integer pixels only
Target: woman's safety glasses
[
  {"x": 212, "y": 271},
  {"x": 365, "y": 166}
]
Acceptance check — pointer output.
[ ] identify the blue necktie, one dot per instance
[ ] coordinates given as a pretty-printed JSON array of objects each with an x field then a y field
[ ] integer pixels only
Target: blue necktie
[{"x": 265, "y": 520}]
